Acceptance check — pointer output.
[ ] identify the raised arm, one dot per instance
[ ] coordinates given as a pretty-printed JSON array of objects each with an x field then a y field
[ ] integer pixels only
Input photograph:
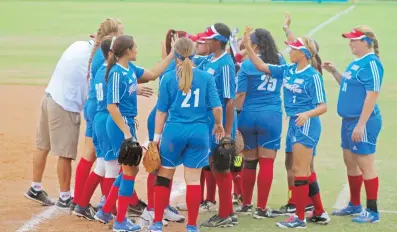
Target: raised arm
[{"x": 288, "y": 33}]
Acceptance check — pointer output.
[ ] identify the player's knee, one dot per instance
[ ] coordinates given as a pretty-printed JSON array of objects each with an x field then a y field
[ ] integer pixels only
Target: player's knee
[
  {"x": 100, "y": 167},
  {"x": 251, "y": 164},
  {"x": 163, "y": 181}
]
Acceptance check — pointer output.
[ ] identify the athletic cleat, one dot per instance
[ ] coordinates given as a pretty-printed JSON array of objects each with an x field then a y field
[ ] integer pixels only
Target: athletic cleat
[
  {"x": 64, "y": 204},
  {"x": 234, "y": 218},
  {"x": 208, "y": 206},
  {"x": 171, "y": 214},
  {"x": 103, "y": 217},
  {"x": 262, "y": 214},
  {"x": 323, "y": 219},
  {"x": 237, "y": 199},
  {"x": 244, "y": 210},
  {"x": 286, "y": 210},
  {"x": 349, "y": 210},
  {"x": 39, "y": 196},
  {"x": 84, "y": 212},
  {"x": 292, "y": 222},
  {"x": 216, "y": 221},
  {"x": 137, "y": 210},
  {"x": 156, "y": 227},
  {"x": 192, "y": 229},
  {"x": 148, "y": 217},
  {"x": 367, "y": 216},
  {"x": 182, "y": 207},
  {"x": 125, "y": 226}
]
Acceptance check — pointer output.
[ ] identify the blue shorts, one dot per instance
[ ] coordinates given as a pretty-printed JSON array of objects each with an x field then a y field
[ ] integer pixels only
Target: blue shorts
[
  {"x": 116, "y": 136},
  {"x": 368, "y": 144},
  {"x": 151, "y": 123},
  {"x": 101, "y": 136},
  {"x": 89, "y": 115},
  {"x": 186, "y": 144},
  {"x": 307, "y": 135},
  {"x": 261, "y": 129},
  {"x": 211, "y": 123}
]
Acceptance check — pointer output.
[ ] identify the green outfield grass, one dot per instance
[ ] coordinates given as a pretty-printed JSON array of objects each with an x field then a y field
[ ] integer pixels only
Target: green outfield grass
[{"x": 32, "y": 40}]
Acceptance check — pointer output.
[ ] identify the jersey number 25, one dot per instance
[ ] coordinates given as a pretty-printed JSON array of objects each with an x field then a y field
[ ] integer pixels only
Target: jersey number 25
[
  {"x": 196, "y": 94},
  {"x": 270, "y": 82}
]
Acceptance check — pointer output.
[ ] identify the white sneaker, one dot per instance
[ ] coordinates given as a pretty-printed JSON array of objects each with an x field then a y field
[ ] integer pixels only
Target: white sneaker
[
  {"x": 148, "y": 217},
  {"x": 182, "y": 206},
  {"x": 207, "y": 206},
  {"x": 171, "y": 214}
]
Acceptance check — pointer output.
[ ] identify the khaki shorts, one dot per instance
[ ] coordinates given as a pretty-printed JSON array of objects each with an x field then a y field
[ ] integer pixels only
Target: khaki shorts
[{"x": 57, "y": 129}]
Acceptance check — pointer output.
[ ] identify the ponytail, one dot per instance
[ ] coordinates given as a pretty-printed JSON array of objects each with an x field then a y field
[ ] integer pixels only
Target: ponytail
[
  {"x": 234, "y": 60},
  {"x": 112, "y": 60},
  {"x": 185, "y": 74},
  {"x": 316, "y": 63},
  {"x": 376, "y": 47}
]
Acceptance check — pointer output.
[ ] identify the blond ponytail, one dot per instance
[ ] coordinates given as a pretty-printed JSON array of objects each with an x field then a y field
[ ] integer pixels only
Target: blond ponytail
[
  {"x": 185, "y": 74},
  {"x": 184, "y": 52}
]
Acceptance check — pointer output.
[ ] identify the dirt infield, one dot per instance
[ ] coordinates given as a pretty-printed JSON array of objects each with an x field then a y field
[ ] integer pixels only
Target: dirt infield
[{"x": 19, "y": 107}]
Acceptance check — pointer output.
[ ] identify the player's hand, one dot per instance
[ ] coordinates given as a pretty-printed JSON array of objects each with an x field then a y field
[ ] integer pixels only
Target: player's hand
[
  {"x": 287, "y": 20},
  {"x": 302, "y": 118},
  {"x": 329, "y": 66},
  {"x": 358, "y": 133},
  {"x": 219, "y": 132},
  {"x": 144, "y": 91},
  {"x": 174, "y": 38},
  {"x": 246, "y": 39}
]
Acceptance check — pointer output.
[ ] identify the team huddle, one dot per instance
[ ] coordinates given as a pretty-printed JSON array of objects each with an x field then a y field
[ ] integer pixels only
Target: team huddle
[{"x": 215, "y": 91}]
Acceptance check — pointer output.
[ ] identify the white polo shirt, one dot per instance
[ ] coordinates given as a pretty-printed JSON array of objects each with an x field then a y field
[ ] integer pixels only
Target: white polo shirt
[{"x": 68, "y": 85}]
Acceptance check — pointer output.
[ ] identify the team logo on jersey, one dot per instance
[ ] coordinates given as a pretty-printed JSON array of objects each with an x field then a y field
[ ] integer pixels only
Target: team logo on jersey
[
  {"x": 347, "y": 75},
  {"x": 299, "y": 81},
  {"x": 125, "y": 73},
  {"x": 129, "y": 81},
  {"x": 287, "y": 78},
  {"x": 355, "y": 67},
  {"x": 295, "y": 88},
  {"x": 132, "y": 89},
  {"x": 211, "y": 71}
]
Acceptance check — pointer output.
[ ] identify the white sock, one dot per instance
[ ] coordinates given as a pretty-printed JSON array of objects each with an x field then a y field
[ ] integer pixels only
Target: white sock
[
  {"x": 64, "y": 195},
  {"x": 37, "y": 186}
]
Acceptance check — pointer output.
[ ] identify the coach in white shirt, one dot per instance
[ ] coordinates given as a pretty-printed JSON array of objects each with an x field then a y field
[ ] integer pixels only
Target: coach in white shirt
[{"x": 59, "y": 122}]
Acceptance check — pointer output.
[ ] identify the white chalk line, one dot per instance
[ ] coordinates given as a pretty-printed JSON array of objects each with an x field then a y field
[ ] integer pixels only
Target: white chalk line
[{"x": 178, "y": 189}]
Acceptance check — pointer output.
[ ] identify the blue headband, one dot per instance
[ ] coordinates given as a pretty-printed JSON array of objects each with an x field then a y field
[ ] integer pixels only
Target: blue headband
[
  {"x": 254, "y": 39},
  {"x": 307, "y": 53},
  {"x": 368, "y": 40},
  {"x": 221, "y": 38},
  {"x": 179, "y": 56}
]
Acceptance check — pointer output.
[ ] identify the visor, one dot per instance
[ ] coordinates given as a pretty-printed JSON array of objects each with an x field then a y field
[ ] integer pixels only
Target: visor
[
  {"x": 357, "y": 35},
  {"x": 299, "y": 45},
  {"x": 211, "y": 33}
]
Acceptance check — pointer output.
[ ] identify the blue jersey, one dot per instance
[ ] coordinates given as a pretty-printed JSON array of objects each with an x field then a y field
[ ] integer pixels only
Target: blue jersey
[
  {"x": 262, "y": 91},
  {"x": 224, "y": 73},
  {"x": 198, "y": 59},
  {"x": 122, "y": 85},
  {"x": 101, "y": 89},
  {"x": 362, "y": 75},
  {"x": 190, "y": 107},
  {"x": 303, "y": 89},
  {"x": 96, "y": 64}
]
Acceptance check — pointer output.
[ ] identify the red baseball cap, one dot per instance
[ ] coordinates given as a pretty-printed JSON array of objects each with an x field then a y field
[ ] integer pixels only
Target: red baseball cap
[{"x": 354, "y": 35}]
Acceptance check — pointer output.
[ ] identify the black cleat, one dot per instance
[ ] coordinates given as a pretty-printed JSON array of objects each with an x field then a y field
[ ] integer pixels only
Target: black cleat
[{"x": 39, "y": 196}]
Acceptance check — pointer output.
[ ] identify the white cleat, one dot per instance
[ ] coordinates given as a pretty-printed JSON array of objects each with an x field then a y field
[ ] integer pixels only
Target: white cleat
[{"x": 148, "y": 217}]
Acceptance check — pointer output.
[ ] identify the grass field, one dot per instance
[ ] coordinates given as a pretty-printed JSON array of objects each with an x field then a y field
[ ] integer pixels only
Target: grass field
[{"x": 33, "y": 35}]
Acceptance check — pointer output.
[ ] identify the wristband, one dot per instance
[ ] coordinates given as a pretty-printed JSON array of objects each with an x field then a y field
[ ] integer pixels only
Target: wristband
[{"x": 156, "y": 137}]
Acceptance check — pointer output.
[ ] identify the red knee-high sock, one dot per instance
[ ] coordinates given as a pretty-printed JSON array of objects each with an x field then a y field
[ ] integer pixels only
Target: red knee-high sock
[
  {"x": 160, "y": 201},
  {"x": 125, "y": 192},
  {"x": 265, "y": 179},
  {"x": 111, "y": 200},
  {"x": 249, "y": 179},
  {"x": 300, "y": 191},
  {"x": 355, "y": 183},
  {"x": 134, "y": 200},
  {"x": 82, "y": 171},
  {"x": 151, "y": 181},
  {"x": 202, "y": 187},
  {"x": 371, "y": 188},
  {"x": 90, "y": 185},
  {"x": 224, "y": 181},
  {"x": 107, "y": 185},
  {"x": 315, "y": 196},
  {"x": 193, "y": 203},
  {"x": 211, "y": 185},
  {"x": 237, "y": 186}
]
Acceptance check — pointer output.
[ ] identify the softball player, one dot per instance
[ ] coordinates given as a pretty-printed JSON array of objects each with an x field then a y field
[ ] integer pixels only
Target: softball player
[
  {"x": 107, "y": 27},
  {"x": 122, "y": 78},
  {"x": 360, "y": 86},
  {"x": 185, "y": 95},
  {"x": 221, "y": 66},
  {"x": 304, "y": 102},
  {"x": 260, "y": 122}
]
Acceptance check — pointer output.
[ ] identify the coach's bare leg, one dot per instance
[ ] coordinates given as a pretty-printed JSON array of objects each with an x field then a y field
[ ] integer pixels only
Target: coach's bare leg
[
  {"x": 39, "y": 162},
  {"x": 89, "y": 150},
  {"x": 64, "y": 173}
]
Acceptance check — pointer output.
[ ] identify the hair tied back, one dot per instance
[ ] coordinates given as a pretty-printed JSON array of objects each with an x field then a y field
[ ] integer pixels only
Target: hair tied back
[{"x": 111, "y": 44}]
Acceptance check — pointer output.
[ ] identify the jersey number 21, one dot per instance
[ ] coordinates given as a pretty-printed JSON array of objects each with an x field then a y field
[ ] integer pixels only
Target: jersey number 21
[{"x": 196, "y": 94}]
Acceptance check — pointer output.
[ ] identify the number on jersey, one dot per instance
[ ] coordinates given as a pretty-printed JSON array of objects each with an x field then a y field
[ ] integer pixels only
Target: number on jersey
[
  {"x": 270, "y": 82},
  {"x": 99, "y": 91},
  {"x": 196, "y": 94}
]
